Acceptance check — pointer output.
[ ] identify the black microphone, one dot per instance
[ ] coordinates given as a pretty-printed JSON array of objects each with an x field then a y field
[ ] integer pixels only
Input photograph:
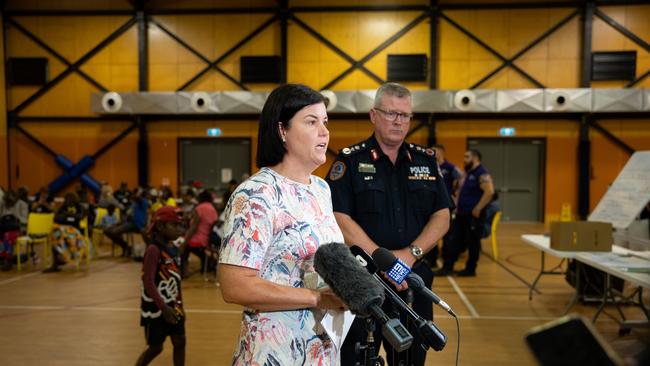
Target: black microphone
[
  {"x": 385, "y": 260},
  {"x": 358, "y": 290},
  {"x": 429, "y": 332}
]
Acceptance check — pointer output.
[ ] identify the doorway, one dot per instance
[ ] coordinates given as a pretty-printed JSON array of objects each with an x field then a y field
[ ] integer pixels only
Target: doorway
[
  {"x": 214, "y": 161},
  {"x": 517, "y": 169}
]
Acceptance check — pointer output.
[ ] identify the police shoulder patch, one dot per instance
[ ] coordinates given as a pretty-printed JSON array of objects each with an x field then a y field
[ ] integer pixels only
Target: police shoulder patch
[{"x": 338, "y": 171}]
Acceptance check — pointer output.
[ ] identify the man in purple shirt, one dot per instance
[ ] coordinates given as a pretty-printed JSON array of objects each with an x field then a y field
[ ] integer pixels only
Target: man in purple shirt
[{"x": 475, "y": 194}]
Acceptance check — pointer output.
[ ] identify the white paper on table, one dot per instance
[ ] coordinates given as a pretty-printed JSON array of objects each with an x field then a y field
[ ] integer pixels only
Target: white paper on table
[
  {"x": 334, "y": 322},
  {"x": 619, "y": 261}
]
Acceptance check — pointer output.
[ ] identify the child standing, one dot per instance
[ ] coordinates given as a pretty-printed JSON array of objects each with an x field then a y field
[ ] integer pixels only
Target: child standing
[{"x": 161, "y": 302}]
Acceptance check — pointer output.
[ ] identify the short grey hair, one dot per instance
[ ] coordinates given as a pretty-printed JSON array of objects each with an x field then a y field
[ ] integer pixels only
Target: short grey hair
[{"x": 392, "y": 90}]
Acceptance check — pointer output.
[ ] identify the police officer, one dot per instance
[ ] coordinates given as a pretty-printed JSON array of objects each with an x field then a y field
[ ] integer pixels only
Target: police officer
[
  {"x": 388, "y": 193},
  {"x": 475, "y": 194},
  {"x": 452, "y": 176}
]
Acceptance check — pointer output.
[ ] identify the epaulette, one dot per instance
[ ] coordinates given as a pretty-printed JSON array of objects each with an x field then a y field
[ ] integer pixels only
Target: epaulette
[
  {"x": 422, "y": 150},
  {"x": 354, "y": 149}
]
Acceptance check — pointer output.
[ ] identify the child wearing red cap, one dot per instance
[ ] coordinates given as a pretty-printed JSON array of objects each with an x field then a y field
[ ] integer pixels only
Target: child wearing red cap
[{"x": 161, "y": 302}]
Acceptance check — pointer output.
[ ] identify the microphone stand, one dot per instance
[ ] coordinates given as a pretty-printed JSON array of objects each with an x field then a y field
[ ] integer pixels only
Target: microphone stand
[
  {"x": 409, "y": 302},
  {"x": 430, "y": 334},
  {"x": 370, "y": 357}
]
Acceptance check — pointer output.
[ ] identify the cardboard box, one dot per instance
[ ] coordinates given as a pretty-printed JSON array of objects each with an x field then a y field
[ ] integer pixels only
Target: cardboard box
[{"x": 582, "y": 236}]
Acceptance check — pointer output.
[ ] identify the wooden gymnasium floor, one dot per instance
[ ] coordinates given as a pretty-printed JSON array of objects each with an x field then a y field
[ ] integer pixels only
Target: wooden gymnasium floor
[{"x": 91, "y": 317}]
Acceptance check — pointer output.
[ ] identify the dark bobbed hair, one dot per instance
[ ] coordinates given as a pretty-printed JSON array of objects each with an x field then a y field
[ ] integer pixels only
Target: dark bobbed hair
[{"x": 282, "y": 104}]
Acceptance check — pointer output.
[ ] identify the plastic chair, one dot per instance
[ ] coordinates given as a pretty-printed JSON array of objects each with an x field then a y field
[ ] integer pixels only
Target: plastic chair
[
  {"x": 98, "y": 231},
  {"x": 493, "y": 234},
  {"x": 86, "y": 250},
  {"x": 39, "y": 226}
]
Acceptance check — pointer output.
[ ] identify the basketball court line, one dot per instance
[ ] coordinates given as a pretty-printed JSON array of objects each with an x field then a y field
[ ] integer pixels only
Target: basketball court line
[
  {"x": 18, "y": 278},
  {"x": 461, "y": 294}
]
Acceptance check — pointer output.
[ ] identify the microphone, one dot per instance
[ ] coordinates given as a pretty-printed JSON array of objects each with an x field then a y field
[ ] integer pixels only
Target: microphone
[
  {"x": 356, "y": 288},
  {"x": 386, "y": 261},
  {"x": 432, "y": 336}
]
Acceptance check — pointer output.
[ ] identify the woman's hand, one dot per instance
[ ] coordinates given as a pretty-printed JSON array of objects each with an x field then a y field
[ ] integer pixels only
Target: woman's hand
[{"x": 329, "y": 301}]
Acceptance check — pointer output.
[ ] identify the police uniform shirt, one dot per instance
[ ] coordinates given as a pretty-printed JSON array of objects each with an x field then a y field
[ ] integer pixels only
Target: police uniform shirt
[
  {"x": 471, "y": 192},
  {"x": 391, "y": 203}
]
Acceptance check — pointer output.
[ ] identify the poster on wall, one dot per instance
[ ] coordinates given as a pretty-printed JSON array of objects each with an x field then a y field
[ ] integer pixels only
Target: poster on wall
[
  {"x": 628, "y": 195},
  {"x": 226, "y": 175}
]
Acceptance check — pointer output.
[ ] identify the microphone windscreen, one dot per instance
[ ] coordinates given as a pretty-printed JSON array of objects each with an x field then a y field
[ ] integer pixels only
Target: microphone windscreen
[{"x": 347, "y": 278}]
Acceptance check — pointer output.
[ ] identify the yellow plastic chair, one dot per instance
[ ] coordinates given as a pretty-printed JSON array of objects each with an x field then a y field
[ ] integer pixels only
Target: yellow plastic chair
[
  {"x": 98, "y": 231},
  {"x": 39, "y": 226},
  {"x": 493, "y": 234},
  {"x": 85, "y": 251}
]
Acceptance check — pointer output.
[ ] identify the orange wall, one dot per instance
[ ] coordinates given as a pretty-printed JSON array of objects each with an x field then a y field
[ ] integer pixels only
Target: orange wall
[
  {"x": 4, "y": 159},
  {"x": 555, "y": 62},
  {"x": 33, "y": 167}
]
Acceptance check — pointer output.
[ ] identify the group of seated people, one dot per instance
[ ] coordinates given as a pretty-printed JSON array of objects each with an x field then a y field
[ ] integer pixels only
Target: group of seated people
[
  {"x": 123, "y": 211},
  {"x": 66, "y": 237}
]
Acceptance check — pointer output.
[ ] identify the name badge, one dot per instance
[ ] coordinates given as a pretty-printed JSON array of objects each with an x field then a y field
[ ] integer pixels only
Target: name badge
[
  {"x": 421, "y": 173},
  {"x": 367, "y": 168}
]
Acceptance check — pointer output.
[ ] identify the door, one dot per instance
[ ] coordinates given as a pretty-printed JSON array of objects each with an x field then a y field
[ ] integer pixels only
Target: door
[
  {"x": 517, "y": 169},
  {"x": 214, "y": 161}
]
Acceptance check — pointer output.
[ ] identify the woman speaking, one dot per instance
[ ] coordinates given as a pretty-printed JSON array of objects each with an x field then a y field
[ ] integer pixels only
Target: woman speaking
[{"x": 273, "y": 224}]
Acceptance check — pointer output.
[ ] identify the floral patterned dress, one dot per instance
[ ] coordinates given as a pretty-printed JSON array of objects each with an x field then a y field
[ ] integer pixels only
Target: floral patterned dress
[{"x": 274, "y": 225}]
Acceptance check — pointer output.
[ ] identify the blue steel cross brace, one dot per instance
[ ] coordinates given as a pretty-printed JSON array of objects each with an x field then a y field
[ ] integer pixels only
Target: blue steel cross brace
[{"x": 74, "y": 171}]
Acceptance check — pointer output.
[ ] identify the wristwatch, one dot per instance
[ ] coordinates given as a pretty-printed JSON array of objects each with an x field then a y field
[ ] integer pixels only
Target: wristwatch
[{"x": 416, "y": 251}]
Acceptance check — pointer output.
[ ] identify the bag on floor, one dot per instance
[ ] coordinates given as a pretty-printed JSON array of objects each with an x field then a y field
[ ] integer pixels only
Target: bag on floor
[{"x": 592, "y": 280}]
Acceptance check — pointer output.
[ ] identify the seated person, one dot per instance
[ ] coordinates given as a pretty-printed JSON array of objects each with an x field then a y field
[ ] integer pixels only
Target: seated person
[
  {"x": 123, "y": 195},
  {"x": 188, "y": 203},
  {"x": 12, "y": 205},
  {"x": 42, "y": 203},
  {"x": 134, "y": 222},
  {"x": 9, "y": 233},
  {"x": 155, "y": 201},
  {"x": 106, "y": 198},
  {"x": 66, "y": 238},
  {"x": 23, "y": 195},
  {"x": 13, "y": 220},
  {"x": 202, "y": 219},
  {"x": 87, "y": 202},
  {"x": 110, "y": 219},
  {"x": 167, "y": 197}
]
